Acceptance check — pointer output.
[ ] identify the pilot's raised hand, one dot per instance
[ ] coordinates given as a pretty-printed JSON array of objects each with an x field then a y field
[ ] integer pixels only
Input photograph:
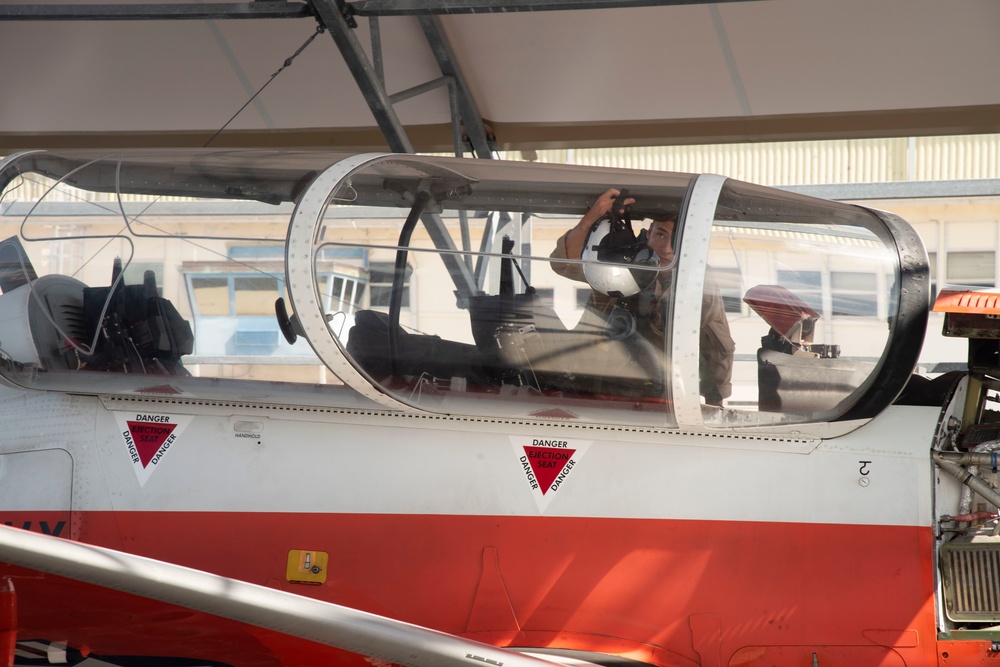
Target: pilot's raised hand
[
  {"x": 603, "y": 204},
  {"x": 578, "y": 235}
]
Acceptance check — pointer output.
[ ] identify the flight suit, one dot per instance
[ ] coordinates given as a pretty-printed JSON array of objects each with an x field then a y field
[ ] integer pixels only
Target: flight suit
[{"x": 716, "y": 344}]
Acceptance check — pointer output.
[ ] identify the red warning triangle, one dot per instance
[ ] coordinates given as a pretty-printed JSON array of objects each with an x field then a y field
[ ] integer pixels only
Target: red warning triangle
[
  {"x": 554, "y": 413},
  {"x": 148, "y": 438},
  {"x": 547, "y": 463},
  {"x": 160, "y": 389}
]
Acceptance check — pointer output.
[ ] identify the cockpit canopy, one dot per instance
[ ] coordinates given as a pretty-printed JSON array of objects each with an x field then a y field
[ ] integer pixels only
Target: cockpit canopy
[{"x": 444, "y": 285}]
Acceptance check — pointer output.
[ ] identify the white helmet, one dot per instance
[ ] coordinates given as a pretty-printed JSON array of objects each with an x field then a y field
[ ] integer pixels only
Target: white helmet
[{"x": 607, "y": 251}]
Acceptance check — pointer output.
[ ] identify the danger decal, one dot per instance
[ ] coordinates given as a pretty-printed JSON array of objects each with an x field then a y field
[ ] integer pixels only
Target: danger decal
[
  {"x": 547, "y": 464},
  {"x": 148, "y": 438}
]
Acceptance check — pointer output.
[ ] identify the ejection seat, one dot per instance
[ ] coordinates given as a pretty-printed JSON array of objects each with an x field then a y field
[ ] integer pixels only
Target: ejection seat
[
  {"x": 416, "y": 354},
  {"x": 523, "y": 341},
  {"x": 51, "y": 321},
  {"x": 793, "y": 374},
  {"x": 138, "y": 330}
]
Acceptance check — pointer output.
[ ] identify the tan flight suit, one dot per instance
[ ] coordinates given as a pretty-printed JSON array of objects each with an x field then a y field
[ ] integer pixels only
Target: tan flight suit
[{"x": 716, "y": 343}]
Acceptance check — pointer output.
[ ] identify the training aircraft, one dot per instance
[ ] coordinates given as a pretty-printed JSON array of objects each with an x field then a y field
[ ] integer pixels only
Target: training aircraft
[{"x": 306, "y": 408}]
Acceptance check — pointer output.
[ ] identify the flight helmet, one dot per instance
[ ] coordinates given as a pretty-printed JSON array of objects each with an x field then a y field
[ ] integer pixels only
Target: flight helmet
[{"x": 618, "y": 263}]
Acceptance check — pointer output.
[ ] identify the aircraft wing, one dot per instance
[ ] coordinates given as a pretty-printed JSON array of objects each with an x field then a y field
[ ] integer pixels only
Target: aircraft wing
[{"x": 330, "y": 624}]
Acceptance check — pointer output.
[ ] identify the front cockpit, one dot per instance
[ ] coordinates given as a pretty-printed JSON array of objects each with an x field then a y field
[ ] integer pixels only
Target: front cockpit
[{"x": 444, "y": 285}]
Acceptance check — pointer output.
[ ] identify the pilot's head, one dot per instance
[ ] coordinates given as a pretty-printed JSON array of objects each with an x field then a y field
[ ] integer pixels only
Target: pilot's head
[{"x": 660, "y": 238}]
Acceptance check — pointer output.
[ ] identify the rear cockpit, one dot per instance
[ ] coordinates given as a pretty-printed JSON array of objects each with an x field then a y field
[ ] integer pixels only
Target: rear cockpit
[
  {"x": 435, "y": 284},
  {"x": 58, "y": 323}
]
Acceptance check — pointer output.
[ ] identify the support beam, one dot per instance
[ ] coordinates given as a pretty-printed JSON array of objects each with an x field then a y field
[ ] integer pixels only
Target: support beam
[
  {"x": 404, "y": 95},
  {"x": 364, "y": 74},
  {"x": 438, "y": 7},
  {"x": 261, "y": 9},
  {"x": 467, "y": 108},
  {"x": 339, "y": 22},
  {"x": 458, "y": 268}
]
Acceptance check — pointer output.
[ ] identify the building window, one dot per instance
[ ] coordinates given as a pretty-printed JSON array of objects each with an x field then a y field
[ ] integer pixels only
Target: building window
[
  {"x": 210, "y": 295},
  {"x": 341, "y": 294},
  {"x": 807, "y": 285},
  {"x": 380, "y": 275},
  {"x": 973, "y": 268},
  {"x": 225, "y": 295},
  {"x": 255, "y": 295},
  {"x": 854, "y": 293}
]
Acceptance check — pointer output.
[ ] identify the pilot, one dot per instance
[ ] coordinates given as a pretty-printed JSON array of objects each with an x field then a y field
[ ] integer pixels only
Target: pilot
[{"x": 649, "y": 301}]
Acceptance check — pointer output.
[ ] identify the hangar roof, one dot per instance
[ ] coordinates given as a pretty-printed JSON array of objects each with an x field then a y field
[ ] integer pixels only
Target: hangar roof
[{"x": 560, "y": 73}]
